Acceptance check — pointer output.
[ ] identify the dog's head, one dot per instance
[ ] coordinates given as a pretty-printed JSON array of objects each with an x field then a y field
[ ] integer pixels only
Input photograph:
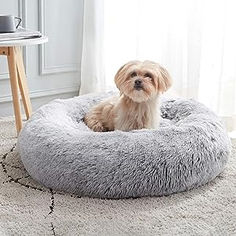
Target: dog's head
[{"x": 142, "y": 81}]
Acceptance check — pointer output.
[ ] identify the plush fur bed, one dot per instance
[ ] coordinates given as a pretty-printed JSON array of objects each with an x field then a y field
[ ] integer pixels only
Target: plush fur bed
[{"x": 190, "y": 148}]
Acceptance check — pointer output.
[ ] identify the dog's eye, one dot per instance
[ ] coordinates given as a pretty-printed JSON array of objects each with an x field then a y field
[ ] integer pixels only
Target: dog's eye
[
  {"x": 148, "y": 75},
  {"x": 133, "y": 74}
]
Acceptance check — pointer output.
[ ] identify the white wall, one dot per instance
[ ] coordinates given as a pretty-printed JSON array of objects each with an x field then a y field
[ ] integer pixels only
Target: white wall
[{"x": 53, "y": 69}]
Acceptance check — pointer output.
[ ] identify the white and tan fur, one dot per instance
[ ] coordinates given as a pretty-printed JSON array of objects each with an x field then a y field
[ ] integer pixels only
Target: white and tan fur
[{"x": 137, "y": 107}]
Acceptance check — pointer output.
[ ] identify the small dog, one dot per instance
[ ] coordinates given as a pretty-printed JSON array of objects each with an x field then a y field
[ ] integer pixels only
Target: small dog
[{"x": 137, "y": 107}]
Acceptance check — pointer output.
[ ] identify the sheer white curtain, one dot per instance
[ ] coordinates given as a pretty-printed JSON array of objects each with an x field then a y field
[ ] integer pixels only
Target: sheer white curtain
[
  {"x": 194, "y": 39},
  {"x": 92, "y": 63}
]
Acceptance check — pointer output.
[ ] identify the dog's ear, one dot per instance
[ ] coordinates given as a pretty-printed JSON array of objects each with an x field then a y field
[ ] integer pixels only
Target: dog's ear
[
  {"x": 121, "y": 73},
  {"x": 164, "y": 79}
]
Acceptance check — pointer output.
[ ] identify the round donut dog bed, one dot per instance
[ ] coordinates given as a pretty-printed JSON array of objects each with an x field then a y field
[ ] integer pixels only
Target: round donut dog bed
[{"x": 58, "y": 150}]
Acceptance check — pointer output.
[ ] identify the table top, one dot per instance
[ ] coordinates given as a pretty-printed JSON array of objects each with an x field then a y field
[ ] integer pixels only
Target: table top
[{"x": 23, "y": 42}]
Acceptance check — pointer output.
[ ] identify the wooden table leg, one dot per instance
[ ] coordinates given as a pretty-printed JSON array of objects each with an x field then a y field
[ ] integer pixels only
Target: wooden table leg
[
  {"x": 23, "y": 83},
  {"x": 11, "y": 57}
]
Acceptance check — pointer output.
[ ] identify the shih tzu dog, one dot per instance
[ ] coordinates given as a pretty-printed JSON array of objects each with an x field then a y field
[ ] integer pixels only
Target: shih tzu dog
[{"x": 137, "y": 107}]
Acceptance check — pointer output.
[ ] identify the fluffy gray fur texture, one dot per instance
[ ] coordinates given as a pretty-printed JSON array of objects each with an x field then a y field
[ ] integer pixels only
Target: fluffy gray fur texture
[{"x": 190, "y": 148}]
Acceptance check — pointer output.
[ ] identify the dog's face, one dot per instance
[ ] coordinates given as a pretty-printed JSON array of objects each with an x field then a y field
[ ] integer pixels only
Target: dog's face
[{"x": 142, "y": 81}]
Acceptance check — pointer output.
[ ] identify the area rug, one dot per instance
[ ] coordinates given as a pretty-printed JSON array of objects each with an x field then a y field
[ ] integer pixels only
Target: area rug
[{"x": 27, "y": 208}]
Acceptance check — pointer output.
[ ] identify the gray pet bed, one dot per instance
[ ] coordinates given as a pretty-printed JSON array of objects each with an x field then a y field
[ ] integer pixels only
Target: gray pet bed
[{"x": 58, "y": 150}]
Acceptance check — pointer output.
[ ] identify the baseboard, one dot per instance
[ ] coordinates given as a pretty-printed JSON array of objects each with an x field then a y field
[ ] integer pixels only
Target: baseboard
[{"x": 38, "y": 99}]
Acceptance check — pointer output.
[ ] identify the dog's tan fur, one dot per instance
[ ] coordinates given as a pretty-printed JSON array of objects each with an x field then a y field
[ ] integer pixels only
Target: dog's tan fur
[{"x": 135, "y": 108}]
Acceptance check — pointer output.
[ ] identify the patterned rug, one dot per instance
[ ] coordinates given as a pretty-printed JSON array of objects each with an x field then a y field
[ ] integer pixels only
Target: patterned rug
[{"x": 27, "y": 208}]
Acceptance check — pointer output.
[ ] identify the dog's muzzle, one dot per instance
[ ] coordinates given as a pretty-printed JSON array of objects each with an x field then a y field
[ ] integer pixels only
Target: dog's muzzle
[{"x": 138, "y": 84}]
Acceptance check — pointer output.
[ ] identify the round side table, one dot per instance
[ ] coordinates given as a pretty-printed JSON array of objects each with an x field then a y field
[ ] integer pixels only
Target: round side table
[{"x": 13, "y": 50}]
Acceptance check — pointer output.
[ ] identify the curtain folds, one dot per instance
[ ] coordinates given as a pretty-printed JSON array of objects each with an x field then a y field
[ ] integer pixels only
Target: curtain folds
[{"x": 92, "y": 63}]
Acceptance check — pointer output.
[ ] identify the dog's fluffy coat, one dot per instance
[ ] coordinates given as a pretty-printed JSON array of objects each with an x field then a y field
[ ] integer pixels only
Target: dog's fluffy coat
[{"x": 137, "y": 107}]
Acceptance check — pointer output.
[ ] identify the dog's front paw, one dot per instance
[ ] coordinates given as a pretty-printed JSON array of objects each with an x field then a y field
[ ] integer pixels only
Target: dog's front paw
[
  {"x": 94, "y": 124},
  {"x": 98, "y": 128}
]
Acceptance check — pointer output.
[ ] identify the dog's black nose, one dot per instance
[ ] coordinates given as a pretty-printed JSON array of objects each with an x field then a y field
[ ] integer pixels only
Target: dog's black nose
[{"x": 138, "y": 82}]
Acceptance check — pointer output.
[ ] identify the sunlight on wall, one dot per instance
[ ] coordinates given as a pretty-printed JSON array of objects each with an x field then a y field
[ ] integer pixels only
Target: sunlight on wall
[{"x": 193, "y": 39}]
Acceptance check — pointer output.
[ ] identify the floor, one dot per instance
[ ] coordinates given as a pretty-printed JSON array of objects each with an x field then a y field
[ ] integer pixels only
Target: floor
[{"x": 27, "y": 208}]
